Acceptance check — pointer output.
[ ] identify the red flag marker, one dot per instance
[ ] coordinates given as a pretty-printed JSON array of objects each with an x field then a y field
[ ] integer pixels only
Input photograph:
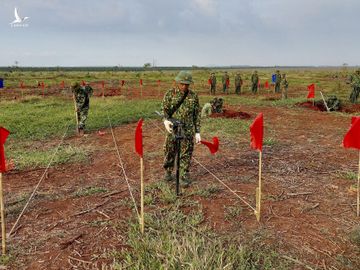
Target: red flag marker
[
  {"x": 257, "y": 132},
  {"x": 311, "y": 89},
  {"x": 158, "y": 82},
  {"x": 267, "y": 85},
  {"x": 214, "y": 146},
  {"x": 83, "y": 83},
  {"x": 4, "y": 133},
  {"x": 259, "y": 83},
  {"x": 139, "y": 138},
  {"x": 209, "y": 81},
  {"x": 141, "y": 82},
  {"x": 139, "y": 150},
  {"x": 22, "y": 85},
  {"x": 227, "y": 83},
  {"x": 122, "y": 82},
  {"x": 352, "y": 140},
  {"x": 62, "y": 84},
  {"x": 352, "y": 137}
]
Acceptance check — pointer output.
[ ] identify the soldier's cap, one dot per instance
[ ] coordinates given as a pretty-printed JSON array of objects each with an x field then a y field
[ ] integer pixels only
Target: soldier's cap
[
  {"x": 184, "y": 77},
  {"x": 75, "y": 85}
]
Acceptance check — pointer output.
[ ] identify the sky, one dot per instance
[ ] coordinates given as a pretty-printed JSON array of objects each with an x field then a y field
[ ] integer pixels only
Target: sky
[{"x": 180, "y": 32}]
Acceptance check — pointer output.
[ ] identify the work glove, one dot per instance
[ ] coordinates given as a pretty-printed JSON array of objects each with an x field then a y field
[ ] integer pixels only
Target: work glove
[
  {"x": 197, "y": 138},
  {"x": 168, "y": 125}
]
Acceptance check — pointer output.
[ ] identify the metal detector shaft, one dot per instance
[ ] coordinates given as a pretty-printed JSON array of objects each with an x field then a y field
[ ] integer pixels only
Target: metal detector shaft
[{"x": 178, "y": 149}]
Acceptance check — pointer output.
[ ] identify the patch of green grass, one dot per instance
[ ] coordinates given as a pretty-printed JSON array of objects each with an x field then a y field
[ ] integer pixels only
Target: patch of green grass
[
  {"x": 24, "y": 157},
  {"x": 230, "y": 128},
  {"x": 174, "y": 240},
  {"x": 4, "y": 260},
  {"x": 232, "y": 212},
  {"x": 43, "y": 119},
  {"x": 349, "y": 175},
  {"x": 270, "y": 141},
  {"x": 89, "y": 191},
  {"x": 207, "y": 191}
]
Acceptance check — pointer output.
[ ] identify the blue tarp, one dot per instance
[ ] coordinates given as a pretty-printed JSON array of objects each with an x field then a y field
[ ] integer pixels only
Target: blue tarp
[
  {"x": 273, "y": 78},
  {"x": 1, "y": 83}
]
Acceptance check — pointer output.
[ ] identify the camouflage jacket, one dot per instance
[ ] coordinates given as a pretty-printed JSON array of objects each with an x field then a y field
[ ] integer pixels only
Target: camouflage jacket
[
  {"x": 284, "y": 83},
  {"x": 188, "y": 112},
  {"x": 82, "y": 95},
  {"x": 224, "y": 78},
  {"x": 213, "y": 80},
  {"x": 355, "y": 80},
  {"x": 277, "y": 78},
  {"x": 238, "y": 80},
  {"x": 254, "y": 78}
]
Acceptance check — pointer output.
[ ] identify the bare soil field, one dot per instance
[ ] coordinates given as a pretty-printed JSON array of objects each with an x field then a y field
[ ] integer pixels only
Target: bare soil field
[{"x": 308, "y": 204}]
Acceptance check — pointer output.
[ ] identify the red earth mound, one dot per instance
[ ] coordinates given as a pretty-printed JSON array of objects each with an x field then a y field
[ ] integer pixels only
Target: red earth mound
[
  {"x": 309, "y": 105},
  {"x": 231, "y": 114}
]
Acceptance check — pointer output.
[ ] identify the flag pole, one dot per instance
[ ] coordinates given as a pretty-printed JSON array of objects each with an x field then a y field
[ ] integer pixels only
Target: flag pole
[
  {"x": 142, "y": 195},
  {"x": 3, "y": 232},
  {"x": 358, "y": 190},
  {"x": 258, "y": 191}
]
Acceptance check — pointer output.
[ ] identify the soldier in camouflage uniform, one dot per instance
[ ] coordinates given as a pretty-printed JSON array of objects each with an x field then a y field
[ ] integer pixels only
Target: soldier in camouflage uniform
[
  {"x": 254, "y": 82},
  {"x": 354, "y": 80},
  {"x": 82, "y": 98},
  {"x": 238, "y": 83},
  {"x": 277, "y": 81},
  {"x": 212, "y": 80},
  {"x": 188, "y": 112},
  {"x": 225, "y": 82},
  {"x": 285, "y": 86}
]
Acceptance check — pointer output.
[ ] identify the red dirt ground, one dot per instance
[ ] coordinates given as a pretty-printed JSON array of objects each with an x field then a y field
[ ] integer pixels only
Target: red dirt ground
[
  {"x": 228, "y": 113},
  {"x": 307, "y": 206}
]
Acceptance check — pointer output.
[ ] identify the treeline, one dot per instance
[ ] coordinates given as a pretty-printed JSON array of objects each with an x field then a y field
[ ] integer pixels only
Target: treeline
[{"x": 119, "y": 68}]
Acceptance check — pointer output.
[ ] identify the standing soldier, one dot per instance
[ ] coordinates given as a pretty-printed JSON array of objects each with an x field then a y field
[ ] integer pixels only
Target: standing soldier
[
  {"x": 238, "y": 83},
  {"x": 212, "y": 81},
  {"x": 285, "y": 86},
  {"x": 182, "y": 104},
  {"x": 225, "y": 82},
  {"x": 254, "y": 82},
  {"x": 277, "y": 81},
  {"x": 82, "y": 99},
  {"x": 354, "y": 80}
]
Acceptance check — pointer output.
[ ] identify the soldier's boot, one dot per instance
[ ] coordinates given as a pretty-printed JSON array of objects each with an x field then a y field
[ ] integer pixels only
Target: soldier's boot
[
  {"x": 168, "y": 176},
  {"x": 185, "y": 181}
]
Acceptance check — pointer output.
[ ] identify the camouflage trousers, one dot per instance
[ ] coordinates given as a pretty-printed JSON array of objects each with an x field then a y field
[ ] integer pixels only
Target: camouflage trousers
[
  {"x": 82, "y": 116},
  {"x": 225, "y": 89},
  {"x": 354, "y": 94},
  {"x": 238, "y": 89},
  {"x": 254, "y": 88},
  {"x": 187, "y": 148},
  {"x": 212, "y": 89},
  {"x": 284, "y": 93},
  {"x": 277, "y": 87}
]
